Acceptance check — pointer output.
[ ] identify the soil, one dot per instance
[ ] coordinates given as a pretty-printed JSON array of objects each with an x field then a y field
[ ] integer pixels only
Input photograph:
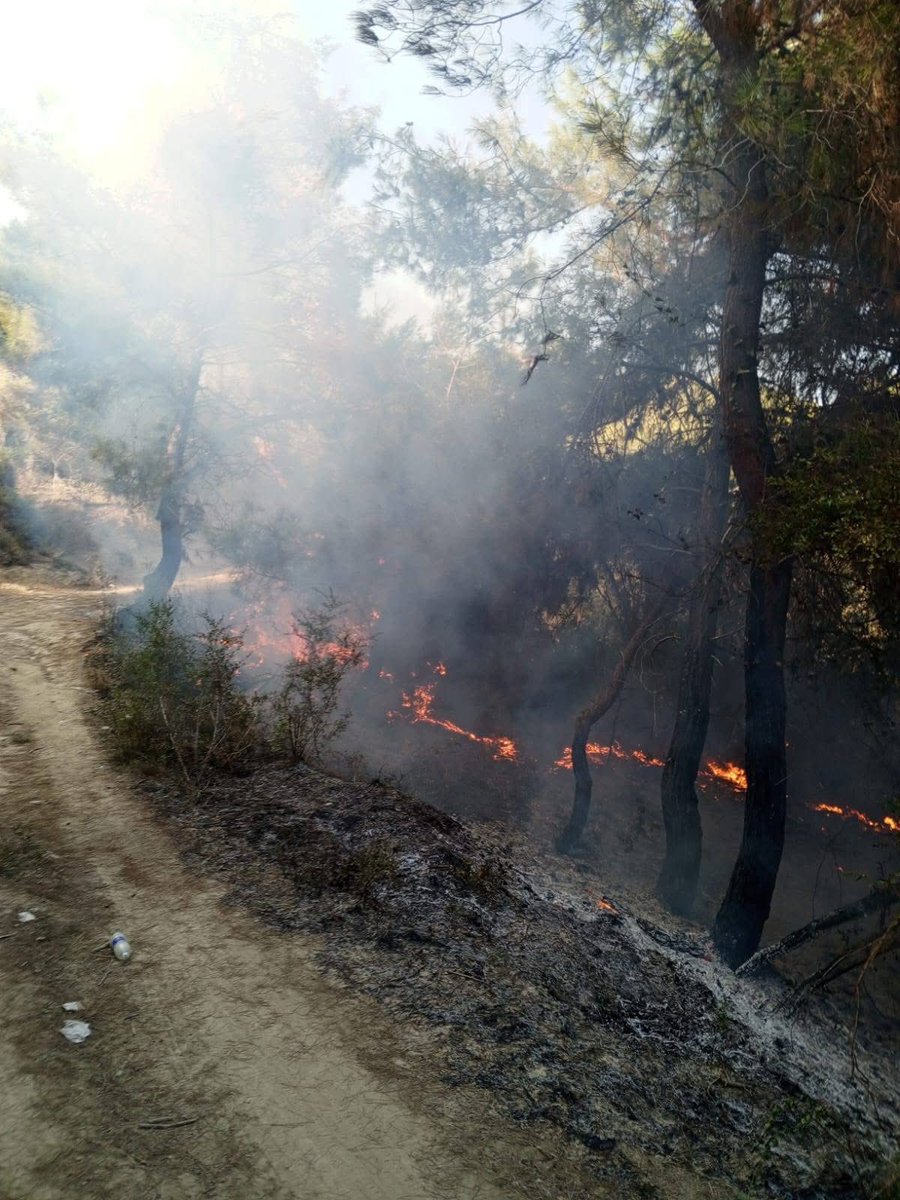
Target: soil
[{"x": 220, "y": 1063}]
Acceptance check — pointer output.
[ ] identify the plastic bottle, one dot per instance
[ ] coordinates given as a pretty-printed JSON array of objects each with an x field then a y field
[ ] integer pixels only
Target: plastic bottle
[{"x": 120, "y": 946}]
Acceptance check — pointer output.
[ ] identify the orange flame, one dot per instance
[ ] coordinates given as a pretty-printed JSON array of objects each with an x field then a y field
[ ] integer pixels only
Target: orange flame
[
  {"x": 263, "y": 627},
  {"x": 606, "y": 906},
  {"x": 420, "y": 703},
  {"x": 887, "y": 825},
  {"x": 721, "y": 772},
  {"x": 727, "y": 772},
  {"x": 600, "y": 754}
]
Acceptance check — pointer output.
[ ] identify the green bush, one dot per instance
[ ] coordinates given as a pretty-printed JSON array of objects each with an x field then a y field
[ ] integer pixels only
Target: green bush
[
  {"x": 172, "y": 697},
  {"x": 305, "y": 707}
]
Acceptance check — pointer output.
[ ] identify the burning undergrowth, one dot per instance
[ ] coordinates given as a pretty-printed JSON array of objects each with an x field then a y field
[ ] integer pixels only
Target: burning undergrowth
[{"x": 618, "y": 1033}]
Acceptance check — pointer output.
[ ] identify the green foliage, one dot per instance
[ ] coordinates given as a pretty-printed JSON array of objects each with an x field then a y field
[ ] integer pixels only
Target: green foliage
[
  {"x": 136, "y": 473},
  {"x": 173, "y": 698},
  {"x": 306, "y": 705},
  {"x": 835, "y": 509}
]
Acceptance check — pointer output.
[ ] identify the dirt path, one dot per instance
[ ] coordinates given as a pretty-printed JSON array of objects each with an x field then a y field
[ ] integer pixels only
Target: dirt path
[{"x": 216, "y": 1023}]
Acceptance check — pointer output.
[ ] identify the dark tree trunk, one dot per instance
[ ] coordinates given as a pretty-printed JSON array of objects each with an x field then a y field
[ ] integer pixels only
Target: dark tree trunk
[
  {"x": 570, "y": 839},
  {"x": 745, "y": 909},
  {"x": 733, "y": 27},
  {"x": 677, "y": 884}
]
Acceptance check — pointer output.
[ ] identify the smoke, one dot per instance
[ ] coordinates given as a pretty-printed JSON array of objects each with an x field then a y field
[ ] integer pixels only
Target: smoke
[{"x": 225, "y": 286}]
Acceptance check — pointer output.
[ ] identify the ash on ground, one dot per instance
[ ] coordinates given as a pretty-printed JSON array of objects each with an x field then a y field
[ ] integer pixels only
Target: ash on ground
[{"x": 623, "y": 1034}]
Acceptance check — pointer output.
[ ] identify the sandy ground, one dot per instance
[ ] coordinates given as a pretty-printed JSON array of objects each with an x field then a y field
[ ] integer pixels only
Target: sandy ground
[{"x": 220, "y": 1062}]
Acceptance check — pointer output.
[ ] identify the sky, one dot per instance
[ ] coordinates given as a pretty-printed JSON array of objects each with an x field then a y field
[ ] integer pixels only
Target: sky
[
  {"x": 106, "y": 76},
  {"x": 108, "y": 72}
]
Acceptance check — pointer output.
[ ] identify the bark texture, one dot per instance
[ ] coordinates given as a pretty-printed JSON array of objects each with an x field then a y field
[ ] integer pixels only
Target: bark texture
[{"x": 745, "y": 909}]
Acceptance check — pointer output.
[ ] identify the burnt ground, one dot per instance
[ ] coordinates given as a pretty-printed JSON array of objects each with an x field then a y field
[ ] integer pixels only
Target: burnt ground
[{"x": 669, "y": 1076}]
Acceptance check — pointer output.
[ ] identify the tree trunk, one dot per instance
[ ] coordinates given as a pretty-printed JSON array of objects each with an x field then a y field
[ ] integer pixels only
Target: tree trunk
[
  {"x": 158, "y": 583},
  {"x": 570, "y": 839},
  {"x": 170, "y": 511},
  {"x": 677, "y": 884},
  {"x": 745, "y": 909}
]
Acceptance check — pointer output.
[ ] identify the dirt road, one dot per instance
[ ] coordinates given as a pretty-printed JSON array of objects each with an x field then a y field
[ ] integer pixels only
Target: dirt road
[{"x": 220, "y": 1063}]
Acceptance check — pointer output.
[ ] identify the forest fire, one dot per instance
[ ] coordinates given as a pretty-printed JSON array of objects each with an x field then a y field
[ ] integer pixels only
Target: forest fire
[
  {"x": 272, "y": 635},
  {"x": 721, "y": 772},
  {"x": 885, "y": 825},
  {"x": 600, "y": 754},
  {"x": 420, "y": 702},
  {"x": 728, "y": 772}
]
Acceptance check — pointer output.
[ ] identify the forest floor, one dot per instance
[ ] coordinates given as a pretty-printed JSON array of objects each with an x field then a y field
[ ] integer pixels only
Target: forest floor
[{"x": 337, "y": 991}]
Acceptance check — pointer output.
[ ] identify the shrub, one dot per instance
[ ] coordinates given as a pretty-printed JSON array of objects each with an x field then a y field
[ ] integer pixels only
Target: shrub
[
  {"x": 305, "y": 707},
  {"x": 173, "y": 697}
]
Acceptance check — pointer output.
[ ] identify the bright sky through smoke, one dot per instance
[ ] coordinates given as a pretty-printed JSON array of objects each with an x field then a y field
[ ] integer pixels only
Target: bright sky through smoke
[
  {"x": 107, "y": 73},
  {"x": 105, "y": 77}
]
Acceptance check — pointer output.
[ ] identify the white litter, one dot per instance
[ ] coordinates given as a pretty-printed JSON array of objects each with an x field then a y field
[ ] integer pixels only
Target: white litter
[
  {"x": 76, "y": 1031},
  {"x": 25, "y": 917},
  {"x": 73, "y": 1006}
]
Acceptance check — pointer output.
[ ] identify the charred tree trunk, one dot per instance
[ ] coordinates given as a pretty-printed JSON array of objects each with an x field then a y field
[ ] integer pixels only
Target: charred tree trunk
[
  {"x": 677, "y": 884},
  {"x": 734, "y": 28},
  {"x": 570, "y": 839},
  {"x": 745, "y": 909},
  {"x": 170, "y": 511}
]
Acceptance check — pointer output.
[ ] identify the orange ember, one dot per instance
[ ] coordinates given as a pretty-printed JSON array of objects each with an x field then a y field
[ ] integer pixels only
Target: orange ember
[
  {"x": 420, "y": 703},
  {"x": 606, "y": 906}
]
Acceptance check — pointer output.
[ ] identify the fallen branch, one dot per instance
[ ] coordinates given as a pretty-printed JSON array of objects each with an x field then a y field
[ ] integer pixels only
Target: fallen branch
[
  {"x": 882, "y": 897},
  {"x": 858, "y": 957},
  {"x": 167, "y": 1123}
]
